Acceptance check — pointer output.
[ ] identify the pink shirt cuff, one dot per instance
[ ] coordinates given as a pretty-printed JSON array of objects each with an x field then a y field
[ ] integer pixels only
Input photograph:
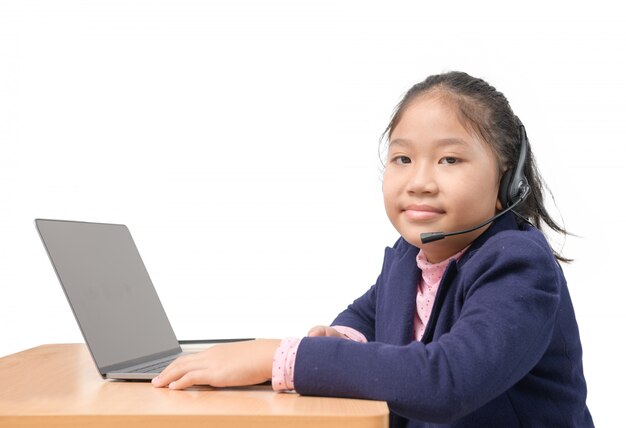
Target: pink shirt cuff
[
  {"x": 285, "y": 358},
  {"x": 284, "y": 363}
]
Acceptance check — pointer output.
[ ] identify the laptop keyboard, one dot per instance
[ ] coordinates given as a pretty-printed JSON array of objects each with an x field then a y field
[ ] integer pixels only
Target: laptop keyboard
[{"x": 154, "y": 368}]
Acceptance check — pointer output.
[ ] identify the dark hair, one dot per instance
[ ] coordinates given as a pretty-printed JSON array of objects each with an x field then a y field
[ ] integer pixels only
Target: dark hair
[{"x": 485, "y": 111}]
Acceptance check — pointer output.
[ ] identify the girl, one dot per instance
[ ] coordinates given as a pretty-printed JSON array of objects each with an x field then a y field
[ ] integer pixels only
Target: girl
[{"x": 476, "y": 329}]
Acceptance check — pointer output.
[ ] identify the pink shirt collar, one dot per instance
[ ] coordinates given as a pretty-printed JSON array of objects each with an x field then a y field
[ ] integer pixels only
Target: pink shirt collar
[{"x": 432, "y": 272}]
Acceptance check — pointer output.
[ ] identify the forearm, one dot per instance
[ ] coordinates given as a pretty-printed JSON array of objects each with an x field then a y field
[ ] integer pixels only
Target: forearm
[
  {"x": 285, "y": 356},
  {"x": 405, "y": 376}
]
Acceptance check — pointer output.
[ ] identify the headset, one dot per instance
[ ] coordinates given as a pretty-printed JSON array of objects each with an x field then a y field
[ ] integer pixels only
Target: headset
[
  {"x": 513, "y": 190},
  {"x": 514, "y": 186}
]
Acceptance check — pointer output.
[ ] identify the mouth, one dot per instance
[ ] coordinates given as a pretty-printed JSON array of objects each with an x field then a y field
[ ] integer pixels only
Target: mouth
[{"x": 422, "y": 212}]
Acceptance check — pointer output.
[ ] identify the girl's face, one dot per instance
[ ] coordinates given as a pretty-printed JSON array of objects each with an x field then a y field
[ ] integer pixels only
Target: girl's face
[{"x": 438, "y": 178}]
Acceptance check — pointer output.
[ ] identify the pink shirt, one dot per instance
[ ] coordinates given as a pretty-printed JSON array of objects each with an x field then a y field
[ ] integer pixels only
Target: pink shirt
[
  {"x": 285, "y": 356},
  {"x": 427, "y": 289}
]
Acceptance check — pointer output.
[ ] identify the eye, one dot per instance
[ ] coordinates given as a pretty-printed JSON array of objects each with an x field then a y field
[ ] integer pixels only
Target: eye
[
  {"x": 449, "y": 160},
  {"x": 401, "y": 160}
]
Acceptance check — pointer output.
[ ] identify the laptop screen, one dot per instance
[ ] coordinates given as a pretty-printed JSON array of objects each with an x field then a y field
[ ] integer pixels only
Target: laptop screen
[{"x": 109, "y": 290}]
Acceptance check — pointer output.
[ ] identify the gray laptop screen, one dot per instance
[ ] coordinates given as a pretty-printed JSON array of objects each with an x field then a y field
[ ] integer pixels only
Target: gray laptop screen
[{"x": 109, "y": 290}]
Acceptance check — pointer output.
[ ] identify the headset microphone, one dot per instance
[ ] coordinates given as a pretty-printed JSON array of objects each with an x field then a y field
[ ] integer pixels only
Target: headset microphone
[
  {"x": 513, "y": 191},
  {"x": 436, "y": 236}
]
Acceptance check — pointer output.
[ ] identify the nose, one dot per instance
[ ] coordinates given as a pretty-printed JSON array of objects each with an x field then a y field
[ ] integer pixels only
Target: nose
[{"x": 422, "y": 179}]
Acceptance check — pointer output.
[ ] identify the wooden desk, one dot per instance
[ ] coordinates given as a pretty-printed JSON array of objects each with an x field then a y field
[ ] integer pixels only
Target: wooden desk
[{"x": 58, "y": 385}]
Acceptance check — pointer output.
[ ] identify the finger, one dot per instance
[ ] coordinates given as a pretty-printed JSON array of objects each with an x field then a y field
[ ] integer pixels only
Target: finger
[
  {"x": 188, "y": 359},
  {"x": 166, "y": 375},
  {"x": 195, "y": 377},
  {"x": 318, "y": 330},
  {"x": 176, "y": 370}
]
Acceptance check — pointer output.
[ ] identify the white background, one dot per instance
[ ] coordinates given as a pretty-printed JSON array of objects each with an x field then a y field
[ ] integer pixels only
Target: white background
[{"x": 239, "y": 142}]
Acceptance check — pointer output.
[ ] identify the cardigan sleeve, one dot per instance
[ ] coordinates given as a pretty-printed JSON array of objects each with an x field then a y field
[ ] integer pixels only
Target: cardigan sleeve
[
  {"x": 361, "y": 314},
  {"x": 502, "y": 330}
]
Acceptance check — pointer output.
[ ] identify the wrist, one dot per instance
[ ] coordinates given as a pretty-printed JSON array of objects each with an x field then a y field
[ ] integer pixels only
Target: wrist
[{"x": 267, "y": 349}]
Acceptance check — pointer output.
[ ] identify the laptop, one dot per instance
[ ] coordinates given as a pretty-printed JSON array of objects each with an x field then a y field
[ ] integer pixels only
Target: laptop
[{"x": 113, "y": 299}]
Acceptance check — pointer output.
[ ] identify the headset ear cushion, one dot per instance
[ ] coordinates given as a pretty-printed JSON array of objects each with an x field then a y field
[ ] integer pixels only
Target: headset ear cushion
[{"x": 503, "y": 192}]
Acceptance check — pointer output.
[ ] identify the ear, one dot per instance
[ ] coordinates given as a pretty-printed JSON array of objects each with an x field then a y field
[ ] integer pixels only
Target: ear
[{"x": 498, "y": 205}]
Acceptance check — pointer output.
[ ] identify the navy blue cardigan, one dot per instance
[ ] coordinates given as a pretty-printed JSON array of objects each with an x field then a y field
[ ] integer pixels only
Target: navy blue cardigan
[{"x": 501, "y": 349}]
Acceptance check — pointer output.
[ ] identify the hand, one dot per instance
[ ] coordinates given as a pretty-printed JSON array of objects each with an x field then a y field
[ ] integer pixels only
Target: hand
[
  {"x": 231, "y": 364},
  {"x": 322, "y": 330}
]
